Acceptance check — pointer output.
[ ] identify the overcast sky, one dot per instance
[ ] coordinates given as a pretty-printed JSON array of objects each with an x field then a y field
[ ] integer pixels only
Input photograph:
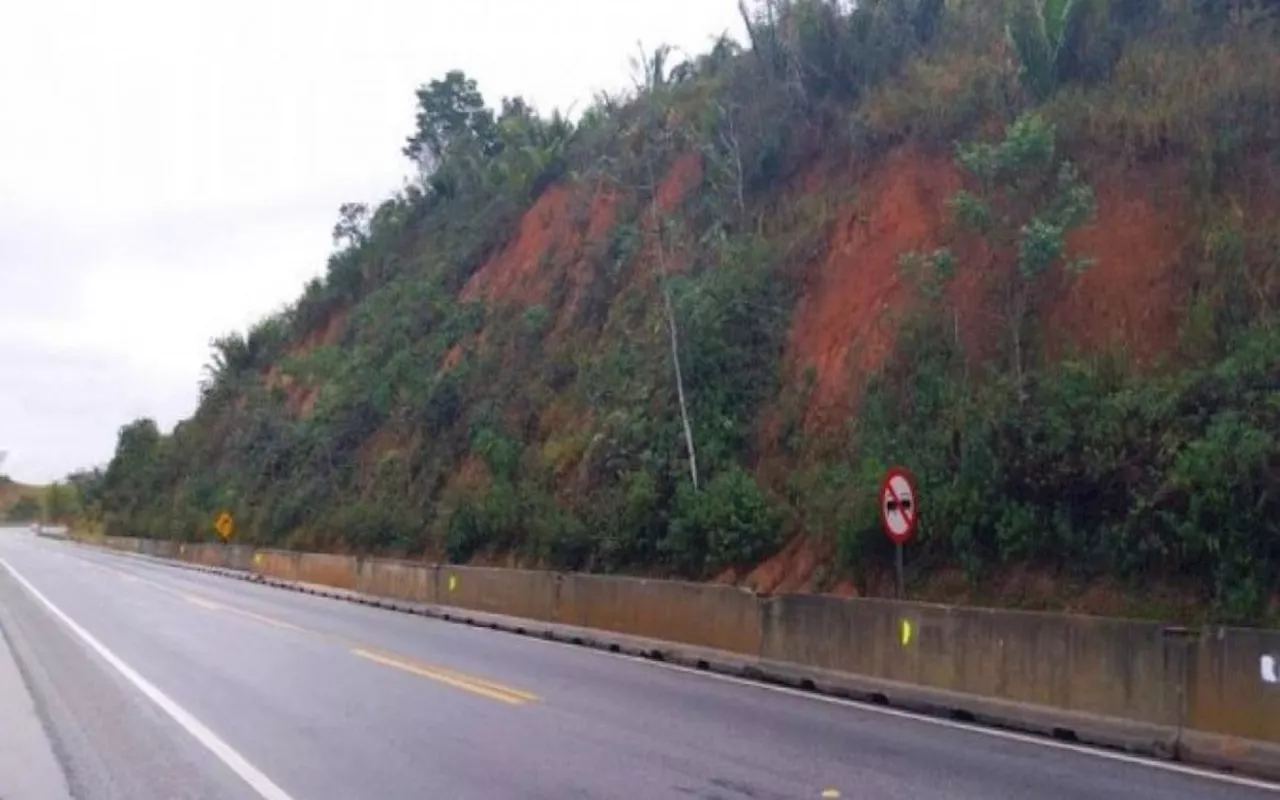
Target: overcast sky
[{"x": 171, "y": 170}]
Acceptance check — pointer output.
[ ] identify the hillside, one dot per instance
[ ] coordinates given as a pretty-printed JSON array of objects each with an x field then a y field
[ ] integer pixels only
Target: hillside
[
  {"x": 1026, "y": 247},
  {"x": 19, "y": 502}
]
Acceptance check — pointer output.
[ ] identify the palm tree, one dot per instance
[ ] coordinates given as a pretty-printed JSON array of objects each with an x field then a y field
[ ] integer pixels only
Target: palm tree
[{"x": 1046, "y": 34}]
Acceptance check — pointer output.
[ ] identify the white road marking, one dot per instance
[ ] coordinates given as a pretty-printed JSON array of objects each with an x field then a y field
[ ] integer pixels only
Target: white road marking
[
  {"x": 238, "y": 764},
  {"x": 998, "y": 733}
]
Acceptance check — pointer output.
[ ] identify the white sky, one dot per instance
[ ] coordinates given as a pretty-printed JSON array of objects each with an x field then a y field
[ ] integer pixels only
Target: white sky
[{"x": 171, "y": 170}]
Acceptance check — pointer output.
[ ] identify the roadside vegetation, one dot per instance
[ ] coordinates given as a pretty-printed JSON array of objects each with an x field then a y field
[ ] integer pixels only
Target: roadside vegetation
[{"x": 567, "y": 342}]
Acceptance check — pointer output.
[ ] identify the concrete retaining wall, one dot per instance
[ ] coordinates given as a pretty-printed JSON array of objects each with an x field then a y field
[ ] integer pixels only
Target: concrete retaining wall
[
  {"x": 400, "y": 580},
  {"x": 276, "y": 564},
  {"x": 328, "y": 570},
  {"x": 1233, "y": 696},
  {"x": 1084, "y": 664},
  {"x": 515, "y": 592},
  {"x": 1211, "y": 694},
  {"x": 720, "y": 617}
]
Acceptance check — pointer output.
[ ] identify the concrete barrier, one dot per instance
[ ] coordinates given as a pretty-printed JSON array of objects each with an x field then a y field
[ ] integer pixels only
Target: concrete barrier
[
  {"x": 401, "y": 580},
  {"x": 514, "y": 592},
  {"x": 328, "y": 570},
  {"x": 1233, "y": 697},
  {"x": 1099, "y": 670},
  {"x": 238, "y": 557},
  {"x": 206, "y": 554},
  {"x": 124, "y": 543},
  {"x": 279, "y": 564},
  {"x": 720, "y": 617}
]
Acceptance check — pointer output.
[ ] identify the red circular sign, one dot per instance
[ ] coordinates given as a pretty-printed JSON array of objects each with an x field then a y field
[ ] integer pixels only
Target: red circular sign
[{"x": 899, "y": 506}]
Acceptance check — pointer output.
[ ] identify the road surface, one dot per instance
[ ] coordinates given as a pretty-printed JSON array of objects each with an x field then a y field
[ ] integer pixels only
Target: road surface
[{"x": 151, "y": 681}]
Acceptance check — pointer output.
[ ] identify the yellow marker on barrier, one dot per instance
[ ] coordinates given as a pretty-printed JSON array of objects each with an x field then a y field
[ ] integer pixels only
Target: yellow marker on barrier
[
  {"x": 453, "y": 582},
  {"x": 257, "y": 559},
  {"x": 906, "y": 632},
  {"x": 830, "y": 794}
]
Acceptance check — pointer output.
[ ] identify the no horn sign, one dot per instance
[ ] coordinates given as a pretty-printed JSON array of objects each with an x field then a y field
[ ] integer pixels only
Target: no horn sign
[{"x": 899, "y": 508}]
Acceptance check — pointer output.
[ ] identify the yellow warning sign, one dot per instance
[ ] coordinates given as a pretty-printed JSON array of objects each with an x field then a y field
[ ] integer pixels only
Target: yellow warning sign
[{"x": 224, "y": 525}]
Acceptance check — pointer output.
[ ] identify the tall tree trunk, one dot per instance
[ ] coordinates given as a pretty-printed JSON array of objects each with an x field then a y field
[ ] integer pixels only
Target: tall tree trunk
[{"x": 672, "y": 329}]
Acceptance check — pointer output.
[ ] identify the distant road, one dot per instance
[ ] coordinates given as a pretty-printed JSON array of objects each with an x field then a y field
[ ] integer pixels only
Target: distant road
[{"x": 159, "y": 682}]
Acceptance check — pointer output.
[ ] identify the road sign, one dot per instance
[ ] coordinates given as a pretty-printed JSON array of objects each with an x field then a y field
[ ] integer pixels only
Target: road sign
[
  {"x": 224, "y": 525},
  {"x": 899, "y": 508}
]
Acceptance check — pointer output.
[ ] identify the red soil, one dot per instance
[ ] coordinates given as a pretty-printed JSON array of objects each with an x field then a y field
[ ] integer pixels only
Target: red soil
[{"x": 844, "y": 322}]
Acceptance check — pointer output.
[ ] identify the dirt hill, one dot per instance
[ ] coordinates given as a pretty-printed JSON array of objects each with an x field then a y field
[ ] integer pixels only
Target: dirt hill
[{"x": 1034, "y": 260}]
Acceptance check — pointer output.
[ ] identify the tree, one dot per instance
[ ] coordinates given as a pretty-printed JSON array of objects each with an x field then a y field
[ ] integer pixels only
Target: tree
[
  {"x": 88, "y": 486},
  {"x": 134, "y": 464},
  {"x": 230, "y": 356},
  {"x": 352, "y": 227},
  {"x": 1027, "y": 201},
  {"x": 451, "y": 119},
  {"x": 25, "y": 509},
  {"x": 1047, "y": 35},
  {"x": 61, "y": 503},
  {"x": 672, "y": 327}
]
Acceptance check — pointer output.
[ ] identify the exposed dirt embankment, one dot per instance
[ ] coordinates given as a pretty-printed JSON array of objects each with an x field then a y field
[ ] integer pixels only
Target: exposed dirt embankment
[
  {"x": 1132, "y": 297},
  {"x": 844, "y": 322},
  {"x": 300, "y": 396},
  {"x": 853, "y": 294}
]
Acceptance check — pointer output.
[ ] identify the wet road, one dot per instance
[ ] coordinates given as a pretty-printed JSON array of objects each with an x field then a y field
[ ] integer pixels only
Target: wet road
[{"x": 151, "y": 681}]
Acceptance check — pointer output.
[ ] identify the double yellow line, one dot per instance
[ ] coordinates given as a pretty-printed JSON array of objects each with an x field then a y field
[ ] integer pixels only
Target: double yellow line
[
  {"x": 212, "y": 606},
  {"x": 467, "y": 683}
]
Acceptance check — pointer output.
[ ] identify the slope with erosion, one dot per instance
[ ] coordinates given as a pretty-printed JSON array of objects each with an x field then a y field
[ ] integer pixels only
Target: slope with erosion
[{"x": 1079, "y": 364}]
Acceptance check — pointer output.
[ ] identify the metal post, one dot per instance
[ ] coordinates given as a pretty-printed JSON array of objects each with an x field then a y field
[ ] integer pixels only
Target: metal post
[{"x": 897, "y": 563}]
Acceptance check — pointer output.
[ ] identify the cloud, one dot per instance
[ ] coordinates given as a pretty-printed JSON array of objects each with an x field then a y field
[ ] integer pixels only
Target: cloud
[{"x": 172, "y": 171}]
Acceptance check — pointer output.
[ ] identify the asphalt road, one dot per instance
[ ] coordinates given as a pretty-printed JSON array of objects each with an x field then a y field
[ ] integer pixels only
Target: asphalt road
[{"x": 156, "y": 682}]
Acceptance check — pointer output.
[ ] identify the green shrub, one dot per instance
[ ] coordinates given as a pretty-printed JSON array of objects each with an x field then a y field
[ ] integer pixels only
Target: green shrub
[{"x": 728, "y": 523}]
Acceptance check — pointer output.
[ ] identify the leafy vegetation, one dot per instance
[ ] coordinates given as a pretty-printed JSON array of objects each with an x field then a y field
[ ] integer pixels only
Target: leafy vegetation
[
  {"x": 564, "y": 342},
  {"x": 24, "y": 509}
]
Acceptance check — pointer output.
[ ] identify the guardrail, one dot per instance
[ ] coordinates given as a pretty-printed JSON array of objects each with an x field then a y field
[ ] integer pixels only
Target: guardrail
[{"x": 1209, "y": 696}]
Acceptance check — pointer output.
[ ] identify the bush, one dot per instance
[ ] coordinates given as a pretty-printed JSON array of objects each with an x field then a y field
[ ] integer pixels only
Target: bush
[
  {"x": 482, "y": 521},
  {"x": 728, "y": 523},
  {"x": 24, "y": 509},
  {"x": 1099, "y": 471}
]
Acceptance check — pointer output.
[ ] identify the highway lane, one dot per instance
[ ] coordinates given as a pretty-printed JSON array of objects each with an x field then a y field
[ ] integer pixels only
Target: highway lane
[{"x": 325, "y": 699}]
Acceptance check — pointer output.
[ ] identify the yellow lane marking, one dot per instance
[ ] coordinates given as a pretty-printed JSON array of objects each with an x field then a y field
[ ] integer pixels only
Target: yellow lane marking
[
  {"x": 458, "y": 680},
  {"x": 212, "y": 606},
  {"x": 467, "y": 683},
  {"x": 200, "y": 601}
]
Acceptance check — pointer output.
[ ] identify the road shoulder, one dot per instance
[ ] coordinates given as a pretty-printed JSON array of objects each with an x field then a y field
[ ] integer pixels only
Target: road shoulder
[{"x": 28, "y": 766}]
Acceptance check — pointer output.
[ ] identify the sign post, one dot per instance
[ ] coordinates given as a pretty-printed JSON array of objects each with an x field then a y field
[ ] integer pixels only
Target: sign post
[{"x": 900, "y": 514}]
